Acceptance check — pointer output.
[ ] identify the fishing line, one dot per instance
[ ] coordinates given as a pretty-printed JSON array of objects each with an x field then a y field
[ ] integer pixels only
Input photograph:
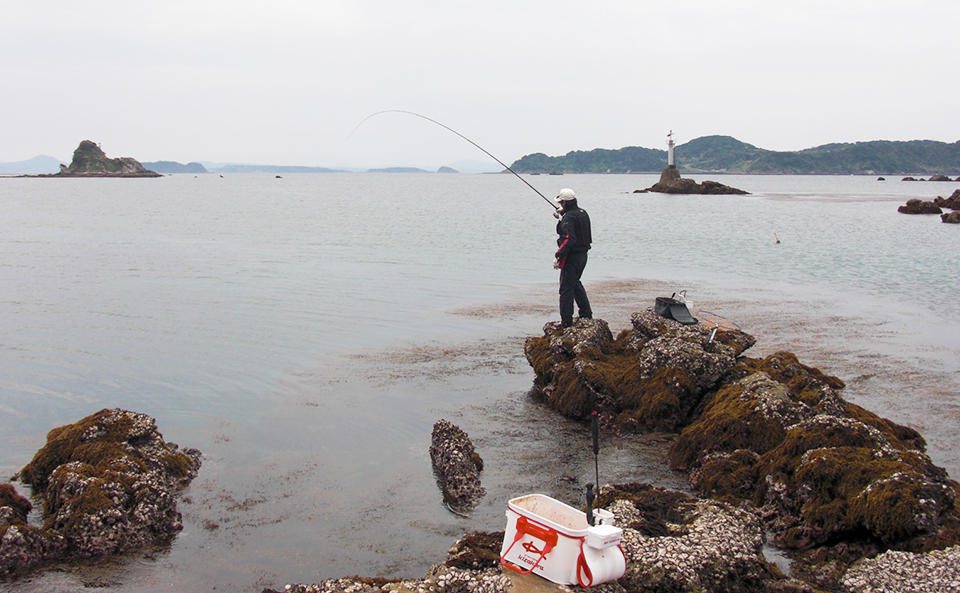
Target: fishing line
[{"x": 552, "y": 205}]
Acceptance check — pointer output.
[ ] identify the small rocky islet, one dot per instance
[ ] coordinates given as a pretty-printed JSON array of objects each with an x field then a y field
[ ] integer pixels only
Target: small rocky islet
[
  {"x": 89, "y": 160},
  {"x": 773, "y": 452}
]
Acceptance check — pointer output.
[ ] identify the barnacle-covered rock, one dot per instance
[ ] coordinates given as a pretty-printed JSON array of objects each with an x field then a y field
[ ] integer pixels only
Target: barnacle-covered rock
[
  {"x": 108, "y": 485},
  {"x": 457, "y": 466},
  {"x": 650, "y": 378}
]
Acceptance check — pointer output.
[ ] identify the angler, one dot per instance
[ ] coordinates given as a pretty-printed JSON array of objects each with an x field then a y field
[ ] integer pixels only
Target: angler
[{"x": 573, "y": 242}]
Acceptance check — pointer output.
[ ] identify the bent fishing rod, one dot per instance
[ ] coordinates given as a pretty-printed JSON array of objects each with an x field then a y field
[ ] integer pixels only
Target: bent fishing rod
[{"x": 485, "y": 151}]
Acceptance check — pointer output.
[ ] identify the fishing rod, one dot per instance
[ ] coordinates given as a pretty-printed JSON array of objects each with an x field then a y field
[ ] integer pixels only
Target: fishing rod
[{"x": 552, "y": 205}]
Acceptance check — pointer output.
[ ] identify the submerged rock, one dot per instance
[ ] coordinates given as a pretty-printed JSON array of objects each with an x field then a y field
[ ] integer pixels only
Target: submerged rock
[
  {"x": 108, "y": 486},
  {"x": 457, "y": 467}
]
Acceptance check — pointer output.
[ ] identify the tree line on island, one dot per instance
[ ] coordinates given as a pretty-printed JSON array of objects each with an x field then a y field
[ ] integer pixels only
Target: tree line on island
[{"x": 724, "y": 154}]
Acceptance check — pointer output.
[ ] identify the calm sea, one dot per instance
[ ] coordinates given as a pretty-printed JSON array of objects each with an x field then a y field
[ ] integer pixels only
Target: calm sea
[{"x": 305, "y": 333}]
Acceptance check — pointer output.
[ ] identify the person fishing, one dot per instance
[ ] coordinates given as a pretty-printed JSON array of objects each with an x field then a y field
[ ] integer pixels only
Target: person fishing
[{"x": 573, "y": 242}]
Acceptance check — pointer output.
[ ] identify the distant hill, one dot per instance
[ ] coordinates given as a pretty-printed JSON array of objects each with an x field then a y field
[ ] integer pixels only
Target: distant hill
[
  {"x": 723, "y": 154},
  {"x": 167, "y": 167},
  {"x": 397, "y": 170},
  {"x": 36, "y": 166}
]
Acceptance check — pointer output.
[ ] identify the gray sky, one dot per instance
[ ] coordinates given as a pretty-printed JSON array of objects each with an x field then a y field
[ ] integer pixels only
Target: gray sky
[{"x": 285, "y": 82}]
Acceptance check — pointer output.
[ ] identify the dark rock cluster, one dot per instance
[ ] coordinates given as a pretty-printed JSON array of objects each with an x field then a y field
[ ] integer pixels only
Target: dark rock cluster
[
  {"x": 108, "y": 485},
  {"x": 830, "y": 480},
  {"x": 953, "y": 203},
  {"x": 932, "y": 178},
  {"x": 918, "y": 206},
  {"x": 457, "y": 467},
  {"x": 689, "y": 186}
]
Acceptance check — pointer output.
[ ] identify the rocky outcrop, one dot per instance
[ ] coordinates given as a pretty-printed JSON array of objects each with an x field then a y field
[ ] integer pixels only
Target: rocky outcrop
[
  {"x": 950, "y": 217},
  {"x": 830, "y": 480},
  {"x": 90, "y": 161},
  {"x": 457, "y": 467},
  {"x": 953, "y": 202},
  {"x": 108, "y": 485},
  {"x": 689, "y": 186},
  {"x": 917, "y": 206},
  {"x": 650, "y": 378}
]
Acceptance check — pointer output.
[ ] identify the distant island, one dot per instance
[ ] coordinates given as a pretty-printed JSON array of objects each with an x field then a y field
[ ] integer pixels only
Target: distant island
[
  {"x": 90, "y": 161},
  {"x": 168, "y": 167},
  {"x": 724, "y": 154}
]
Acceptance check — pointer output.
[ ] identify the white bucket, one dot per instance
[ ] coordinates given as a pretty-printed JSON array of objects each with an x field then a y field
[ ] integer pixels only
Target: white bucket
[{"x": 553, "y": 540}]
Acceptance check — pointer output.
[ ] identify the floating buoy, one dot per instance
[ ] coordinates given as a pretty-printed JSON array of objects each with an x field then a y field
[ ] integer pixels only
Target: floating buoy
[{"x": 778, "y": 238}]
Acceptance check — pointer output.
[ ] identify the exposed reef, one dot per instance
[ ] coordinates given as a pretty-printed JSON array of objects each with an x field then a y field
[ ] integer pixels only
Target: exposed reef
[
  {"x": 682, "y": 185},
  {"x": 831, "y": 481},
  {"x": 108, "y": 485},
  {"x": 917, "y": 206},
  {"x": 457, "y": 467},
  {"x": 90, "y": 161},
  {"x": 953, "y": 202}
]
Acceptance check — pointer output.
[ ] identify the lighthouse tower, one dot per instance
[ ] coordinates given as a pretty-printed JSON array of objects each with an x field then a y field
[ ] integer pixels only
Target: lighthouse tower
[{"x": 671, "y": 172}]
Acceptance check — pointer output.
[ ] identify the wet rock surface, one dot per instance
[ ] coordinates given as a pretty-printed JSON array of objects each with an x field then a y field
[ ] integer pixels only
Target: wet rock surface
[
  {"x": 457, "y": 467},
  {"x": 108, "y": 485}
]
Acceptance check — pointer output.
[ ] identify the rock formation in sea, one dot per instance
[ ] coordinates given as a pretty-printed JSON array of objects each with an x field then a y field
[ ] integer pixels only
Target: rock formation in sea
[
  {"x": 90, "y": 161},
  {"x": 917, "y": 206},
  {"x": 953, "y": 202},
  {"x": 683, "y": 185},
  {"x": 457, "y": 466},
  {"x": 108, "y": 485}
]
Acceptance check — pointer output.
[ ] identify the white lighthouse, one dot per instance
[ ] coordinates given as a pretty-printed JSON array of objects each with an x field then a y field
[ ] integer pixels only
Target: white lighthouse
[
  {"x": 670, "y": 144},
  {"x": 670, "y": 173}
]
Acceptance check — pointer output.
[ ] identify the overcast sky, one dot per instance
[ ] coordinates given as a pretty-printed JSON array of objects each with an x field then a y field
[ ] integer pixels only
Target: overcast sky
[{"x": 286, "y": 82}]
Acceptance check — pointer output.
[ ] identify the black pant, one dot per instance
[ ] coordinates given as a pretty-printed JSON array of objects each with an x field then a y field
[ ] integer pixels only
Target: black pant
[{"x": 572, "y": 290}]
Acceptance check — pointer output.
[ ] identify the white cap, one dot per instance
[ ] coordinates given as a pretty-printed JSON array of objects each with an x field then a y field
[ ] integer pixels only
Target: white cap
[{"x": 566, "y": 194}]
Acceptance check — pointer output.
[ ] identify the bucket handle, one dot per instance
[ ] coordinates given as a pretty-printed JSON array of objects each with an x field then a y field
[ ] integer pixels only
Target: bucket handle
[{"x": 529, "y": 527}]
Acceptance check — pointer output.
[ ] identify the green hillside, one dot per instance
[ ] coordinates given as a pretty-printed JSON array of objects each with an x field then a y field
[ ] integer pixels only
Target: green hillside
[{"x": 723, "y": 154}]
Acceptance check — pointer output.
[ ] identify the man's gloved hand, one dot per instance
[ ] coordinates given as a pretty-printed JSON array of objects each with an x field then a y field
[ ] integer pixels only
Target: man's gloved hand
[
  {"x": 556, "y": 213},
  {"x": 556, "y": 263}
]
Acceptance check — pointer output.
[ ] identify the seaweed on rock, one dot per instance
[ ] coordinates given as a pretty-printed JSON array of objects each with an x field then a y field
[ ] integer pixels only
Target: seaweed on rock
[{"x": 107, "y": 484}]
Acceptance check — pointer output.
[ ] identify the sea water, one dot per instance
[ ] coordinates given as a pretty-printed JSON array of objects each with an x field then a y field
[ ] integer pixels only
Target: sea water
[{"x": 305, "y": 333}]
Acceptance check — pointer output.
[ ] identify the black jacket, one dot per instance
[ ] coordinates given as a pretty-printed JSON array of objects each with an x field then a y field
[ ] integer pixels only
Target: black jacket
[{"x": 573, "y": 231}]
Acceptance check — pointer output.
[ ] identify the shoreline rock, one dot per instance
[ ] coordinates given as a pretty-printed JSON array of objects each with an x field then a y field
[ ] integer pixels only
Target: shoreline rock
[{"x": 108, "y": 485}]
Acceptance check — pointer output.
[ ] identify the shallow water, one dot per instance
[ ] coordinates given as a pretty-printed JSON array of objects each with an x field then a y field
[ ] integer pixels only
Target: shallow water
[{"x": 305, "y": 333}]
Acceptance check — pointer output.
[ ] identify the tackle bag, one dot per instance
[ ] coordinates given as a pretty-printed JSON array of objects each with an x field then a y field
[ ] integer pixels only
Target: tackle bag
[{"x": 673, "y": 309}]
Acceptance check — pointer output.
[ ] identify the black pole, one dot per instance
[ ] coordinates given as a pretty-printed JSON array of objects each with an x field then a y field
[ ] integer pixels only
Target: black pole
[
  {"x": 595, "y": 431},
  {"x": 590, "y": 519}
]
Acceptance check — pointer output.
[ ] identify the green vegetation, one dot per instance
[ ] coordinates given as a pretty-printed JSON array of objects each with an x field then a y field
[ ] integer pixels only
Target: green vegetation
[{"x": 723, "y": 154}]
